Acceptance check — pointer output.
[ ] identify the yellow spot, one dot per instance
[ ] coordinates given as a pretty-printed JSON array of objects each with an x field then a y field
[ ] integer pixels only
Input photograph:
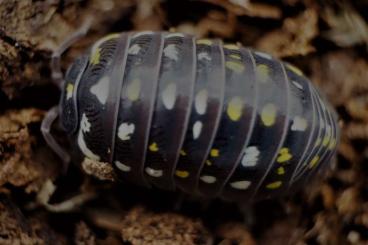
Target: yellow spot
[
  {"x": 234, "y": 108},
  {"x": 318, "y": 142},
  {"x": 134, "y": 89},
  {"x": 231, "y": 46},
  {"x": 295, "y": 70},
  {"x": 182, "y": 174},
  {"x": 284, "y": 155},
  {"x": 208, "y": 162},
  {"x": 263, "y": 72},
  {"x": 235, "y": 56},
  {"x": 268, "y": 115},
  {"x": 214, "y": 153},
  {"x": 332, "y": 144},
  {"x": 274, "y": 185},
  {"x": 235, "y": 66},
  {"x": 95, "y": 57},
  {"x": 204, "y": 41},
  {"x": 111, "y": 36},
  {"x": 280, "y": 171},
  {"x": 96, "y": 50},
  {"x": 153, "y": 147},
  {"x": 69, "y": 90},
  {"x": 313, "y": 162},
  {"x": 326, "y": 140},
  {"x": 183, "y": 153}
]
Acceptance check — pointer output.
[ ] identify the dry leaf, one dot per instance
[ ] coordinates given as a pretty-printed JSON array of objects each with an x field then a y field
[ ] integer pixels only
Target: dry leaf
[
  {"x": 294, "y": 38},
  {"x": 347, "y": 27},
  {"x": 245, "y": 7}
]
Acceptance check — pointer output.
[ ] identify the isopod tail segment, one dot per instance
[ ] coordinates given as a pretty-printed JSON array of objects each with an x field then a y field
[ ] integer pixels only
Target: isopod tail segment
[
  {"x": 327, "y": 144},
  {"x": 301, "y": 110},
  {"x": 268, "y": 133},
  {"x": 58, "y": 79}
]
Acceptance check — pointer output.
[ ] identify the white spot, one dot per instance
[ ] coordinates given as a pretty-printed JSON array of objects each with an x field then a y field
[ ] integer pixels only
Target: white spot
[
  {"x": 122, "y": 167},
  {"x": 299, "y": 124},
  {"x": 101, "y": 89},
  {"x": 250, "y": 157},
  {"x": 204, "y": 55},
  {"x": 298, "y": 85},
  {"x": 171, "y": 52},
  {"x": 200, "y": 102},
  {"x": 69, "y": 94},
  {"x": 85, "y": 126},
  {"x": 240, "y": 185},
  {"x": 175, "y": 35},
  {"x": 134, "y": 49},
  {"x": 208, "y": 179},
  {"x": 197, "y": 128},
  {"x": 142, "y": 33},
  {"x": 264, "y": 55},
  {"x": 125, "y": 131},
  {"x": 153, "y": 172},
  {"x": 169, "y": 96}
]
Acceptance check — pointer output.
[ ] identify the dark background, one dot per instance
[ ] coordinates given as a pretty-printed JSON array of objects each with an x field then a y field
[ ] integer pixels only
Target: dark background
[{"x": 326, "y": 39}]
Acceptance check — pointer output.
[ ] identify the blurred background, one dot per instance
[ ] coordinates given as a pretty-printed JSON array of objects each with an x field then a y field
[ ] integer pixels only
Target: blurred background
[{"x": 326, "y": 39}]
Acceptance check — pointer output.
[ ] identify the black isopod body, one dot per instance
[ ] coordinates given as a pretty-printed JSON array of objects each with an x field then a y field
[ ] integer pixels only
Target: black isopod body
[{"x": 214, "y": 119}]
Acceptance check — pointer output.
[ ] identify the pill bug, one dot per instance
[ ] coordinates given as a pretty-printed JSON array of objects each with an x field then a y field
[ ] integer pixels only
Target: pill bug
[{"x": 214, "y": 119}]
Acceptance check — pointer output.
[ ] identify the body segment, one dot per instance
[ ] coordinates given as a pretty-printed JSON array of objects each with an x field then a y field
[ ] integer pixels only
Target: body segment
[{"x": 176, "y": 112}]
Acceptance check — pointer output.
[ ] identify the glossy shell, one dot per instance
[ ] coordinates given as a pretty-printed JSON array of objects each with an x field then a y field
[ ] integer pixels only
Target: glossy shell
[{"x": 214, "y": 119}]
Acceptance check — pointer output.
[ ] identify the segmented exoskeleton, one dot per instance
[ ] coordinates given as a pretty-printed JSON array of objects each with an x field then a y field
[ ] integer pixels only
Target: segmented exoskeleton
[{"x": 214, "y": 119}]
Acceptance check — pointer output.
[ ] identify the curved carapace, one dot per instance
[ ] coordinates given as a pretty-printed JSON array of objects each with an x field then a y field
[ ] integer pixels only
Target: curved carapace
[{"x": 214, "y": 119}]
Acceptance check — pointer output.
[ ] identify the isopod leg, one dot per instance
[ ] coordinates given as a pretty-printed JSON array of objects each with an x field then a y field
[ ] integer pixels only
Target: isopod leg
[
  {"x": 248, "y": 214},
  {"x": 46, "y": 125},
  {"x": 178, "y": 202},
  {"x": 56, "y": 73}
]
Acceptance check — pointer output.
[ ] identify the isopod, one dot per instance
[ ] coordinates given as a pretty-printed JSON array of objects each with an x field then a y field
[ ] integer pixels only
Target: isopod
[{"x": 208, "y": 118}]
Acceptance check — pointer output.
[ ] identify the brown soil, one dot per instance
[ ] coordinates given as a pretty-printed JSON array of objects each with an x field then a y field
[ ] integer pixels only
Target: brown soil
[{"x": 327, "y": 40}]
